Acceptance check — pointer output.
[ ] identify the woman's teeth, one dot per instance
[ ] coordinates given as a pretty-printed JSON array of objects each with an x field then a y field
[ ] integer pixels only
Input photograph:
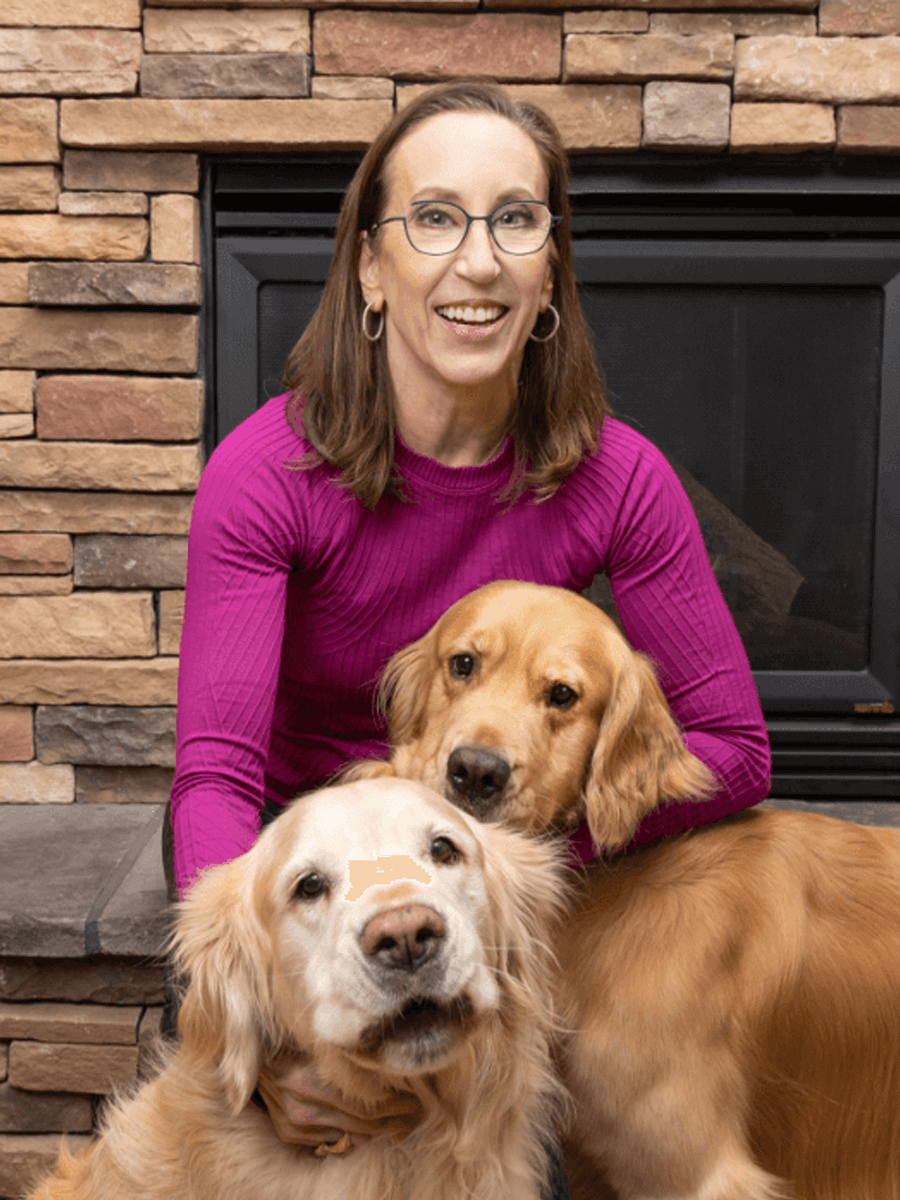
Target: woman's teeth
[{"x": 471, "y": 316}]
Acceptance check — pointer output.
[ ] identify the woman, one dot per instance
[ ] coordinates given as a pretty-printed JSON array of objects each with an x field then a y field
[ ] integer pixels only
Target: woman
[{"x": 446, "y": 427}]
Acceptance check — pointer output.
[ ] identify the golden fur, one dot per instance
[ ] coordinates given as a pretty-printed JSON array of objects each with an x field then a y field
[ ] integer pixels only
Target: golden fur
[
  {"x": 273, "y": 970},
  {"x": 731, "y": 993}
]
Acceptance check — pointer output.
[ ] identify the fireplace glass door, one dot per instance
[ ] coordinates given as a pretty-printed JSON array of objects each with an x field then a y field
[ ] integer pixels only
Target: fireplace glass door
[{"x": 766, "y": 398}]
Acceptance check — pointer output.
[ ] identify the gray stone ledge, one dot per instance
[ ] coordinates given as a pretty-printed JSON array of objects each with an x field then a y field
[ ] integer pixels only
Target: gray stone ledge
[
  {"x": 862, "y": 812},
  {"x": 78, "y": 880},
  {"x": 82, "y": 880}
]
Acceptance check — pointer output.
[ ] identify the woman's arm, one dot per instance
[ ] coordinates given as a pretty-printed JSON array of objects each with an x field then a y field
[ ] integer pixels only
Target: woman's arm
[
  {"x": 239, "y": 558},
  {"x": 672, "y": 609}
]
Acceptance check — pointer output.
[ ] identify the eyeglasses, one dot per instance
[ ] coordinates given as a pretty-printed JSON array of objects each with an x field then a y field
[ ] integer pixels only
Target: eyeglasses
[{"x": 439, "y": 227}]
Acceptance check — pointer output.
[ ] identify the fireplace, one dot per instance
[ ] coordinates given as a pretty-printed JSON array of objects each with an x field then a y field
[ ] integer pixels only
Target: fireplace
[{"x": 746, "y": 314}]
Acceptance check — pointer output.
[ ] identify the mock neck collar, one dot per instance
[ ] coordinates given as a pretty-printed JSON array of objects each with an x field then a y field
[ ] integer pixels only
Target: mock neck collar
[{"x": 486, "y": 477}]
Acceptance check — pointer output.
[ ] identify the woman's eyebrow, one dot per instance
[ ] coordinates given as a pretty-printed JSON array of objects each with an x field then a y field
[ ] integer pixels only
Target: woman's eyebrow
[{"x": 443, "y": 193}]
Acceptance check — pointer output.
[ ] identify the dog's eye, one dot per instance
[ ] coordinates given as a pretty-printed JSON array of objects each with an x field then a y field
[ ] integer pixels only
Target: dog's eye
[
  {"x": 462, "y": 665},
  {"x": 310, "y": 886},
  {"x": 444, "y": 852},
  {"x": 562, "y": 696}
]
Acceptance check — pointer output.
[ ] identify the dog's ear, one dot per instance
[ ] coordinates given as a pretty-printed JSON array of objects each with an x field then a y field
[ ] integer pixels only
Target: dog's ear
[
  {"x": 366, "y": 768},
  {"x": 509, "y": 1064},
  {"x": 404, "y": 690},
  {"x": 223, "y": 949},
  {"x": 639, "y": 761},
  {"x": 525, "y": 879}
]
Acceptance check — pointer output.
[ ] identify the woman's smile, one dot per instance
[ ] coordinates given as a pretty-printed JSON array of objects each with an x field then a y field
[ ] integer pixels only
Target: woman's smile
[
  {"x": 474, "y": 320},
  {"x": 472, "y": 314}
]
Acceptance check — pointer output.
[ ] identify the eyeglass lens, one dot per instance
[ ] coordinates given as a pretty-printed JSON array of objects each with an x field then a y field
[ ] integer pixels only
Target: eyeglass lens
[{"x": 439, "y": 227}]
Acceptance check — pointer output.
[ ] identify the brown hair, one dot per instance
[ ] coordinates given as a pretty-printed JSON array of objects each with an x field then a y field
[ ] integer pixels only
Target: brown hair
[{"x": 340, "y": 382}]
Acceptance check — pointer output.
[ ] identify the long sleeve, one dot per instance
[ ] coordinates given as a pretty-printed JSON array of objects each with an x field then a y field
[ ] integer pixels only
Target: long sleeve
[
  {"x": 238, "y": 564},
  {"x": 672, "y": 610}
]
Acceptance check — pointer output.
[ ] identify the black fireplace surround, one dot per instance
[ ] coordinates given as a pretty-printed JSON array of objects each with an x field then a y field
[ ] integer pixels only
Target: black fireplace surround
[{"x": 746, "y": 314}]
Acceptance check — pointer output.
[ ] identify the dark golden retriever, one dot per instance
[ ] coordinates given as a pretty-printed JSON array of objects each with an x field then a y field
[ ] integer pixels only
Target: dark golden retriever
[
  {"x": 404, "y": 948},
  {"x": 731, "y": 993}
]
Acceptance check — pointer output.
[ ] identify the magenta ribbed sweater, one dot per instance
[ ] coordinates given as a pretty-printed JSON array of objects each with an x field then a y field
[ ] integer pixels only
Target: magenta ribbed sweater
[{"x": 297, "y": 596}]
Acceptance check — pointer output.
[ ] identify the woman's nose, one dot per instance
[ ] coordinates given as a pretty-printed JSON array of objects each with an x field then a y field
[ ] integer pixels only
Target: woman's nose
[{"x": 477, "y": 257}]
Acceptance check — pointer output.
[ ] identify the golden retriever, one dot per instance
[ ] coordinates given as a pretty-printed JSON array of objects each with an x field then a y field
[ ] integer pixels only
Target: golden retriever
[
  {"x": 404, "y": 948},
  {"x": 732, "y": 993}
]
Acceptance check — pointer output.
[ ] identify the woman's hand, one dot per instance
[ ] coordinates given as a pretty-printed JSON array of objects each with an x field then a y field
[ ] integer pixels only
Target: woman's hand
[{"x": 305, "y": 1112}]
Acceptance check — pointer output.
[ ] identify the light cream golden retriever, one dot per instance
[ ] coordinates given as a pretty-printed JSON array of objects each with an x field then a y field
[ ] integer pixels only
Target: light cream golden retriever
[
  {"x": 733, "y": 994},
  {"x": 404, "y": 948}
]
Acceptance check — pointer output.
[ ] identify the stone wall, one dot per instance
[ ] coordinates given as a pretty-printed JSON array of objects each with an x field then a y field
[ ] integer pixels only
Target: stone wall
[
  {"x": 70, "y": 1032},
  {"x": 105, "y": 110}
]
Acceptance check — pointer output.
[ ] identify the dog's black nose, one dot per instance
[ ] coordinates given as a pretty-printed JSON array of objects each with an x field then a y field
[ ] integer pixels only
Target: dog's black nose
[
  {"x": 477, "y": 775},
  {"x": 404, "y": 938}
]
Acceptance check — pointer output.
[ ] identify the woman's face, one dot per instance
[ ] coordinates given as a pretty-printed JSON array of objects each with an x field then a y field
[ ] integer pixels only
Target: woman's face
[{"x": 475, "y": 160}]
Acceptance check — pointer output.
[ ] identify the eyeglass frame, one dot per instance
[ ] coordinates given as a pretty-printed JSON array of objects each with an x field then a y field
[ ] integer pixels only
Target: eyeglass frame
[{"x": 554, "y": 221}]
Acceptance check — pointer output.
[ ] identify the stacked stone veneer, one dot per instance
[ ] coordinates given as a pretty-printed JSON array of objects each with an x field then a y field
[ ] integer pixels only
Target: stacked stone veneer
[
  {"x": 105, "y": 110},
  {"x": 70, "y": 1033}
]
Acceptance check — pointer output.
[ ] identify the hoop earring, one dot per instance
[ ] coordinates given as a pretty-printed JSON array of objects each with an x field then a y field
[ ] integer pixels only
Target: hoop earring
[
  {"x": 372, "y": 337},
  {"x": 553, "y": 332}
]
